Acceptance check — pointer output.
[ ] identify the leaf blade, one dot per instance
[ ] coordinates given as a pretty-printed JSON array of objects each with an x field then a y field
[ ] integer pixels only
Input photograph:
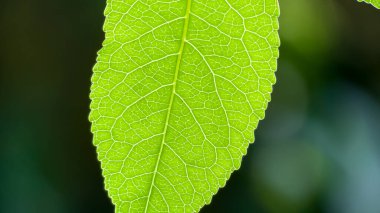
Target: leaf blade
[
  {"x": 375, "y": 3},
  {"x": 176, "y": 96}
]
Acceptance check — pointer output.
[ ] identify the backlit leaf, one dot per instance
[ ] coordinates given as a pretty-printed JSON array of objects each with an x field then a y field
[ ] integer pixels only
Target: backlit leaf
[
  {"x": 375, "y": 3},
  {"x": 178, "y": 90}
]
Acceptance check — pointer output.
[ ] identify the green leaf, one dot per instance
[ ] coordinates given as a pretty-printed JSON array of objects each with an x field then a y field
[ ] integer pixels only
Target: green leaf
[
  {"x": 375, "y": 3},
  {"x": 178, "y": 89}
]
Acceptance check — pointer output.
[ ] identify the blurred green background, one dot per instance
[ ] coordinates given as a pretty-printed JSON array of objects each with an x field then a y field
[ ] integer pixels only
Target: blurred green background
[{"x": 318, "y": 150}]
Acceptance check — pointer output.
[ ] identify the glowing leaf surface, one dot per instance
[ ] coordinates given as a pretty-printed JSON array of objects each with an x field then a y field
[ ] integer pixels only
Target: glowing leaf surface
[
  {"x": 178, "y": 90},
  {"x": 375, "y": 3}
]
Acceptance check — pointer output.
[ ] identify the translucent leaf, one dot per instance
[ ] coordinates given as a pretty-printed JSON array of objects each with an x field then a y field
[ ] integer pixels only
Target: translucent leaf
[
  {"x": 178, "y": 89},
  {"x": 375, "y": 3}
]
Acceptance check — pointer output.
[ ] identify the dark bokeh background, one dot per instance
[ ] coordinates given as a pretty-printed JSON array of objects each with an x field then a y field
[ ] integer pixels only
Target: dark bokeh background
[{"x": 318, "y": 150}]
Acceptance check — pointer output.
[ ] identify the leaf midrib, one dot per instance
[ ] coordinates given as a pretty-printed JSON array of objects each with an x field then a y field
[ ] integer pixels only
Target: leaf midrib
[{"x": 179, "y": 59}]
